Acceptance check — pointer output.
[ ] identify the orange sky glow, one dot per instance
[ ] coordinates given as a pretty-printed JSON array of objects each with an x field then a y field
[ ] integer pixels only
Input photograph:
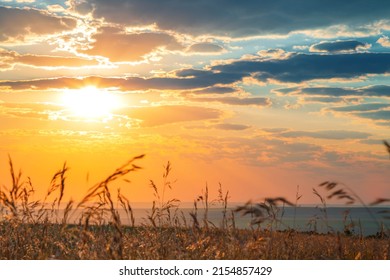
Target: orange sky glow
[{"x": 259, "y": 106}]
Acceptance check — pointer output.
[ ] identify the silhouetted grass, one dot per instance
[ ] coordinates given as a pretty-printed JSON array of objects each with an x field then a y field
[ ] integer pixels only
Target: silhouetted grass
[{"x": 39, "y": 229}]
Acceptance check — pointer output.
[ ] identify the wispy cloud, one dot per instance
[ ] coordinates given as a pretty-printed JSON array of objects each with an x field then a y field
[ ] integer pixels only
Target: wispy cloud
[
  {"x": 377, "y": 112},
  {"x": 369, "y": 91},
  {"x": 330, "y": 99},
  {"x": 161, "y": 115},
  {"x": 256, "y": 101},
  {"x": 231, "y": 126},
  {"x": 326, "y": 134},
  {"x": 213, "y": 90},
  {"x": 361, "y": 107}
]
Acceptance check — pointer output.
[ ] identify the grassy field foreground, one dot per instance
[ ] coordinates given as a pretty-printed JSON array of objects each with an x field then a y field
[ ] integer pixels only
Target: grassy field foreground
[
  {"x": 44, "y": 229},
  {"x": 51, "y": 241}
]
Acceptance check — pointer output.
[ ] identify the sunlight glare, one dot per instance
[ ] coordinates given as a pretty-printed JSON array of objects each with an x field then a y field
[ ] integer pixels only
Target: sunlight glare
[{"x": 90, "y": 103}]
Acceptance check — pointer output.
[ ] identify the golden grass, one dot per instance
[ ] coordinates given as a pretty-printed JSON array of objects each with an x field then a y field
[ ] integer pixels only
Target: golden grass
[
  {"x": 53, "y": 241},
  {"x": 34, "y": 229}
]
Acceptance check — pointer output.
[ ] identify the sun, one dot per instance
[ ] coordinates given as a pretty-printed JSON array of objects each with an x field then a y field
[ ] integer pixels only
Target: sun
[{"x": 90, "y": 103}]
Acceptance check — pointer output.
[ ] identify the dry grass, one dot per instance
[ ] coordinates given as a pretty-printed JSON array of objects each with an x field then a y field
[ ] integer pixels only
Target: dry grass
[
  {"x": 34, "y": 229},
  {"x": 52, "y": 241}
]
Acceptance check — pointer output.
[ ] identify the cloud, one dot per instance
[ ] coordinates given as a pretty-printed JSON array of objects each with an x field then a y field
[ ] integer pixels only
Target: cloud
[
  {"x": 141, "y": 116},
  {"x": 118, "y": 46},
  {"x": 339, "y": 46},
  {"x": 296, "y": 68},
  {"x": 214, "y": 90},
  {"x": 16, "y": 24},
  {"x": 126, "y": 84},
  {"x": 59, "y": 83},
  {"x": 161, "y": 115},
  {"x": 372, "y": 142},
  {"x": 369, "y": 91},
  {"x": 256, "y": 101},
  {"x": 231, "y": 126},
  {"x": 54, "y": 61},
  {"x": 5, "y": 60},
  {"x": 302, "y": 67},
  {"x": 9, "y": 58},
  {"x": 319, "y": 99},
  {"x": 274, "y": 54},
  {"x": 361, "y": 107},
  {"x": 40, "y": 107},
  {"x": 384, "y": 41},
  {"x": 232, "y": 18},
  {"x": 37, "y": 111},
  {"x": 377, "y": 112},
  {"x": 383, "y": 115},
  {"x": 275, "y": 129},
  {"x": 326, "y": 134},
  {"x": 206, "y": 48},
  {"x": 300, "y": 47},
  {"x": 55, "y": 8}
]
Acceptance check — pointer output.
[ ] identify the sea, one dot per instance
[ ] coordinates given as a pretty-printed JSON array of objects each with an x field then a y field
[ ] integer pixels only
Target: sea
[
  {"x": 354, "y": 220},
  {"x": 365, "y": 221}
]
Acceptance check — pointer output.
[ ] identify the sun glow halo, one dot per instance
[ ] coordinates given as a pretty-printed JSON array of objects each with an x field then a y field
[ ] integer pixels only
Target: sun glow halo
[{"x": 90, "y": 103}]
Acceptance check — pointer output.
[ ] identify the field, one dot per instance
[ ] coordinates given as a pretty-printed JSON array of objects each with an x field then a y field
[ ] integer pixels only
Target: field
[
  {"x": 41, "y": 229},
  {"x": 50, "y": 241}
]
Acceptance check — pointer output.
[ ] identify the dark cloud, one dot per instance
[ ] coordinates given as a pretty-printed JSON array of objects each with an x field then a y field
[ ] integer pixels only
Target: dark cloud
[
  {"x": 339, "y": 46},
  {"x": 379, "y": 90},
  {"x": 191, "y": 73},
  {"x": 383, "y": 115},
  {"x": 129, "y": 83},
  {"x": 326, "y": 134},
  {"x": 256, "y": 101},
  {"x": 302, "y": 67},
  {"x": 119, "y": 46},
  {"x": 15, "y": 24},
  {"x": 205, "y": 48},
  {"x": 296, "y": 68},
  {"x": 231, "y": 17},
  {"x": 370, "y": 91}
]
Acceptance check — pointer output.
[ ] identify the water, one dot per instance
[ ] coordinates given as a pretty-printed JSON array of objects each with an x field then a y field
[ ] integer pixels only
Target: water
[{"x": 358, "y": 220}]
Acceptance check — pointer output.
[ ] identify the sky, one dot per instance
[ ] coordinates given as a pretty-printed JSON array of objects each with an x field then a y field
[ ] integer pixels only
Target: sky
[{"x": 258, "y": 96}]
